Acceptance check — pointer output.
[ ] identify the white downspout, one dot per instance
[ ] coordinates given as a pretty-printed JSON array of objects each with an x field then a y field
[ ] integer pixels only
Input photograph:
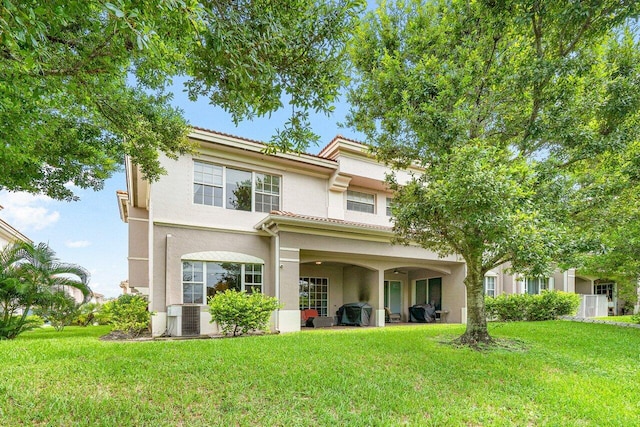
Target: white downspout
[{"x": 276, "y": 236}]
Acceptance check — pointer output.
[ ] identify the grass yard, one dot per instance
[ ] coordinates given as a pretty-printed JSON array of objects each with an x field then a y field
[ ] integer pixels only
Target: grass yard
[
  {"x": 570, "y": 374},
  {"x": 624, "y": 319}
]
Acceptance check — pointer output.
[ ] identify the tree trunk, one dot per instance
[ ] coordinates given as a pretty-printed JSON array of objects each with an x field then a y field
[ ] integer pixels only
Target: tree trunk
[{"x": 476, "y": 332}]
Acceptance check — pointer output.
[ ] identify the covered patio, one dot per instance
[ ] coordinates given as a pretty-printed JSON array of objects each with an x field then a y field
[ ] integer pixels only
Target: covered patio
[
  {"x": 390, "y": 287},
  {"x": 324, "y": 264}
]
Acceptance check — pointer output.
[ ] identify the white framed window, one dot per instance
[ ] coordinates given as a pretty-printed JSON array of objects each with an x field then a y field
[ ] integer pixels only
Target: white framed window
[
  {"x": 361, "y": 202},
  {"x": 203, "y": 279},
  {"x": 314, "y": 293},
  {"x": 535, "y": 285},
  {"x": 604, "y": 289},
  {"x": 236, "y": 189},
  {"x": 192, "y": 282},
  {"x": 207, "y": 184},
  {"x": 267, "y": 192},
  {"x": 389, "y": 202},
  {"x": 490, "y": 286}
]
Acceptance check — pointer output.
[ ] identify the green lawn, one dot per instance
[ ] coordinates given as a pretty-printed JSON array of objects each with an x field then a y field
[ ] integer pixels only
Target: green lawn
[
  {"x": 570, "y": 374},
  {"x": 623, "y": 319}
]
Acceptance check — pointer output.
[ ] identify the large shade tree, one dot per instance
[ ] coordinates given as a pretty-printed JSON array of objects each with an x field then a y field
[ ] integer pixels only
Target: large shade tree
[
  {"x": 505, "y": 105},
  {"x": 30, "y": 276},
  {"x": 83, "y": 82}
]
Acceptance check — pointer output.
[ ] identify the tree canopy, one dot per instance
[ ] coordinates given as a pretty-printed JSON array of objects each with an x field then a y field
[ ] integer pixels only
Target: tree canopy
[
  {"x": 611, "y": 225},
  {"x": 84, "y": 83},
  {"x": 506, "y": 106}
]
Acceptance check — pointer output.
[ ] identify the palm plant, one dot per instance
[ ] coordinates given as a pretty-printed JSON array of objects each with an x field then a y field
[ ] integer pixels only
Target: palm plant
[{"x": 29, "y": 276}]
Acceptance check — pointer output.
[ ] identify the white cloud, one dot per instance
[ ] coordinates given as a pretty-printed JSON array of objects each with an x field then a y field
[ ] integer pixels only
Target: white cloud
[
  {"x": 77, "y": 243},
  {"x": 26, "y": 211}
]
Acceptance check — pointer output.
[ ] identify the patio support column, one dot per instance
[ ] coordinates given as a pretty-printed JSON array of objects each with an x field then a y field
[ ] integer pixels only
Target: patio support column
[
  {"x": 289, "y": 315},
  {"x": 378, "y": 299}
]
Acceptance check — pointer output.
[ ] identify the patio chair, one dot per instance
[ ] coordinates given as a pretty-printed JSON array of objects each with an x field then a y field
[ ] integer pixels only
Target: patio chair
[
  {"x": 307, "y": 316},
  {"x": 390, "y": 317}
]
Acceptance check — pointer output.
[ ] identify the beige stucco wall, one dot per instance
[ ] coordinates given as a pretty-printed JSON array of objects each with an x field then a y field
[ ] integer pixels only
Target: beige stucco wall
[
  {"x": 379, "y": 217},
  {"x": 584, "y": 286},
  {"x": 138, "y": 233},
  {"x": 172, "y": 195},
  {"x": 138, "y": 249},
  {"x": 167, "y": 277},
  {"x": 361, "y": 251},
  {"x": 289, "y": 278},
  {"x": 360, "y": 166},
  {"x": 559, "y": 282}
]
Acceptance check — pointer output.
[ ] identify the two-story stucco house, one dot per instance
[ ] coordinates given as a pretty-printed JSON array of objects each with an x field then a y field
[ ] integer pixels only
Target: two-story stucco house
[{"x": 311, "y": 230}]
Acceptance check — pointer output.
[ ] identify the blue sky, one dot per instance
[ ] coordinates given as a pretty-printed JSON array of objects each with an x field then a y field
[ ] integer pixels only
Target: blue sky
[{"x": 90, "y": 233}]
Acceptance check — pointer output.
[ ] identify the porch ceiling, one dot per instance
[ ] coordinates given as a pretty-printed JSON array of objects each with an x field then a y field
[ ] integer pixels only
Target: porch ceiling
[{"x": 402, "y": 266}]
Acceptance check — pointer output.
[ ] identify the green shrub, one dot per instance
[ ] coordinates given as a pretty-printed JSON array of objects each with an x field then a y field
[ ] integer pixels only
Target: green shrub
[
  {"x": 103, "y": 315},
  {"x": 86, "y": 314},
  {"x": 636, "y": 318},
  {"x": 59, "y": 309},
  {"x": 12, "y": 326},
  {"x": 238, "y": 312},
  {"x": 35, "y": 321},
  {"x": 129, "y": 314},
  {"x": 518, "y": 307},
  {"x": 553, "y": 304},
  {"x": 507, "y": 308}
]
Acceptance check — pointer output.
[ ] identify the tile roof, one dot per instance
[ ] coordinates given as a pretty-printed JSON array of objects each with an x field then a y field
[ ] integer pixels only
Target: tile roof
[
  {"x": 344, "y": 139},
  {"x": 331, "y": 221},
  {"x": 256, "y": 141},
  {"x": 227, "y": 134}
]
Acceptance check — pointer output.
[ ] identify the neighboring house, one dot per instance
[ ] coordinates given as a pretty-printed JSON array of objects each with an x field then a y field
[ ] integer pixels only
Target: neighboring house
[
  {"x": 124, "y": 285},
  {"x": 97, "y": 298},
  {"x": 599, "y": 296},
  {"x": 8, "y": 234},
  {"x": 311, "y": 230},
  {"x": 94, "y": 297}
]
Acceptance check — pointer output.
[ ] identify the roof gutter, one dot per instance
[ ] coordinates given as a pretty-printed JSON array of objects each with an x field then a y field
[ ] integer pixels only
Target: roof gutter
[{"x": 322, "y": 225}]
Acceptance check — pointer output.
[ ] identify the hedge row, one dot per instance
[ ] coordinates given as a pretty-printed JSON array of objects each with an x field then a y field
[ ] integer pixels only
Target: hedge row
[{"x": 517, "y": 307}]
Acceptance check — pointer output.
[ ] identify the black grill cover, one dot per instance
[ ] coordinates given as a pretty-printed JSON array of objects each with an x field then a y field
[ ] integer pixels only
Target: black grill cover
[{"x": 354, "y": 314}]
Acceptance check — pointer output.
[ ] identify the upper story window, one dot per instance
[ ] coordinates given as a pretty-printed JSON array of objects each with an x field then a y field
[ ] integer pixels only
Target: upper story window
[
  {"x": 207, "y": 184},
  {"x": 360, "y": 202},
  {"x": 389, "y": 202},
  {"x": 490, "y": 286},
  {"x": 267, "y": 192},
  {"x": 535, "y": 285},
  {"x": 236, "y": 189}
]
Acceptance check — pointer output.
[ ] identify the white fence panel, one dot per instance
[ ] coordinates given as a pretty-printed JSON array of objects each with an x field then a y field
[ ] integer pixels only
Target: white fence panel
[{"x": 593, "y": 306}]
